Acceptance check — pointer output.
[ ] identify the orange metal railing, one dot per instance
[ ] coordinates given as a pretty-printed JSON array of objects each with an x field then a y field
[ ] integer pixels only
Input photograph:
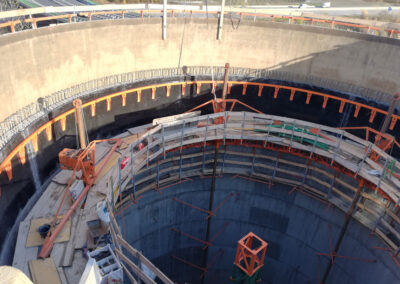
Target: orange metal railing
[
  {"x": 10, "y": 24},
  {"x": 90, "y": 14},
  {"x": 34, "y": 21},
  {"x": 290, "y": 19},
  {"x": 19, "y": 151}
]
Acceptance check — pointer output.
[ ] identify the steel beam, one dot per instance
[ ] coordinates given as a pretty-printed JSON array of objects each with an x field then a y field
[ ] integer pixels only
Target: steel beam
[
  {"x": 343, "y": 230},
  {"x": 210, "y": 207}
]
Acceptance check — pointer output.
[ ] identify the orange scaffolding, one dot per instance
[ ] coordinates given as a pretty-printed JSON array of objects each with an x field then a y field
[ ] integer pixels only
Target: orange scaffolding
[{"x": 250, "y": 253}]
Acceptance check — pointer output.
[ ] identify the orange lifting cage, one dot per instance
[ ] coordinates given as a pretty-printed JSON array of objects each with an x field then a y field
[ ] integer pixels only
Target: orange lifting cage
[{"x": 250, "y": 253}]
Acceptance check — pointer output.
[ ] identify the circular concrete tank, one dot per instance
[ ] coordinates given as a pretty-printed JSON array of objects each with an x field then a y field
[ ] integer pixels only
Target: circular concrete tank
[{"x": 299, "y": 228}]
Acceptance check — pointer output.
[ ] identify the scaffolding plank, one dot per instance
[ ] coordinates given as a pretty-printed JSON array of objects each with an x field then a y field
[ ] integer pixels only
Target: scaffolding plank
[
  {"x": 22, "y": 254},
  {"x": 44, "y": 271},
  {"x": 70, "y": 246}
]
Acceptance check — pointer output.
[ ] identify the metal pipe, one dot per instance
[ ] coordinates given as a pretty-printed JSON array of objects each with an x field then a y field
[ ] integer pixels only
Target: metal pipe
[
  {"x": 388, "y": 118},
  {"x": 343, "y": 230},
  {"x": 79, "y": 121},
  {"x": 221, "y": 20},
  {"x": 226, "y": 76},
  {"x": 164, "y": 31}
]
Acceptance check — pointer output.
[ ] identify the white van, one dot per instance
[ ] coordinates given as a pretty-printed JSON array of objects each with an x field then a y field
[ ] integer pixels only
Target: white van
[
  {"x": 305, "y": 6},
  {"x": 326, "y": 5}
]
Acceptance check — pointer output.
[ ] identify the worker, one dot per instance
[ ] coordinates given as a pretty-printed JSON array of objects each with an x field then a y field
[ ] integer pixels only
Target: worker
[{"x": 140, "y": 146}]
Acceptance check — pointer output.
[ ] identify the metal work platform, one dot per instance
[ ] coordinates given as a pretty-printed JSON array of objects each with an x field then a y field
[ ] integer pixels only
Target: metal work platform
[{"x": 338, "y": 163}]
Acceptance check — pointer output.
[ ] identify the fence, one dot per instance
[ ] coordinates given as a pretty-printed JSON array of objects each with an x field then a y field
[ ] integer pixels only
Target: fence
[{"x": 89, "y": 13}]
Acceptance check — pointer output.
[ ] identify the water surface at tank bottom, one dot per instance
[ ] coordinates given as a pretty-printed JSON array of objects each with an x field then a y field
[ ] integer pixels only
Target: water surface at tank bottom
[{"x": 296, "y": 227}]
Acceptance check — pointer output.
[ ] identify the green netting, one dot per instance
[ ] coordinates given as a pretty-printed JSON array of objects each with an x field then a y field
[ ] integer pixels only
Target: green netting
[{"x": 296, "y": 138}]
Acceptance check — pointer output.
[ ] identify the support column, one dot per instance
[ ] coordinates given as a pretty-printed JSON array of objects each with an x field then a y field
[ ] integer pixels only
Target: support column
[
  {"x": 344, "y": 229},
  {"x": 388, "y": 118},
  {"x": 164, "y": 31},
  {"x": 221, "y": 21},
  {"x": 226, "y": 77},
  {"x": 79, "y": 121}
]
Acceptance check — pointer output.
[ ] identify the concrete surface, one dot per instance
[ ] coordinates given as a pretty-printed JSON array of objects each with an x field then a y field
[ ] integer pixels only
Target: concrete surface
[{"x": 40, "y": 62}]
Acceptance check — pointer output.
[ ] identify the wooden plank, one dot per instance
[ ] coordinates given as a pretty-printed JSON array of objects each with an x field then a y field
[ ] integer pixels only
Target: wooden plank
[
  {"x": 146, "y": 279},
  {"x": 345, "y": 196},
  {"x": 48, "y": 202},
  {"x": 44, "y": 271},
  {"x": 142, "y": 259},
  {"x": 57, "y": 253},
  {"x": 34, "y": 238},
  {"x": 110, "y": 163},
  {"x": 126, "y": 141},
  {"x": 127, "y": 272},
  {"x": 101, "y": 150},
  {"x": 390, "y": 228},
  {"x": 61, "y": 273},
  {"x": 62, "y": 177},
  {"x": 370, "y": 197},
  {"x": 74, "y": 272},
  {"x": 70, "y": 246},
  {"x": 386, "y": 239},
  {"x": 393, "y": 215},
  {"x": 21, "y": 254},
  {"x": 96, "y": 194}
]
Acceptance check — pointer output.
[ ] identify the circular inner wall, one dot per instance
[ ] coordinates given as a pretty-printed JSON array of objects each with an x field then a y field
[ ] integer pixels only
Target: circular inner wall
[{"x": 170, "y": 225}]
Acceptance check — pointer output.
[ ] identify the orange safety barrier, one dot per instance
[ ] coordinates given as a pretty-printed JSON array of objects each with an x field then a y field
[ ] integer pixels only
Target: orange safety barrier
[
  {"x": 332, "y": 23},
  {"x": 19, "y": 150},
  {"x": 34, "y": 21},
  {"x": 90, "y": 14},
  {"x": 376, "y": 132},
  {"x": 10, "y": 24}
]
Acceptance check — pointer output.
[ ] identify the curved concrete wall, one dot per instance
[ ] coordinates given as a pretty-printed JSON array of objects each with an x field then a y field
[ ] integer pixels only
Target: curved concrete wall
[{"x": 39, "y": 62}]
